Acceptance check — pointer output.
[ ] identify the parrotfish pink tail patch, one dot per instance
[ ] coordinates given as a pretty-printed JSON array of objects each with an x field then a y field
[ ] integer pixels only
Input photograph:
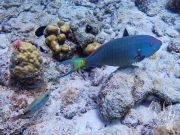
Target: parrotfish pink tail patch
[{"x": 17, "y": 44}]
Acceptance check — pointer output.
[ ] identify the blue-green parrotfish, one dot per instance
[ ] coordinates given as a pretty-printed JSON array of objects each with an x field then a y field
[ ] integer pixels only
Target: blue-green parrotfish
[
  {"x": 117, "y": 52},
  {"x": 36, "y": 105}
]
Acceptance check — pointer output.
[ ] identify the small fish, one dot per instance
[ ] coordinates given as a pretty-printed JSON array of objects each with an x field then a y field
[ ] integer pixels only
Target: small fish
[
  {"x": 36, "y": 105},
  {"x": 118, "y": 52}
]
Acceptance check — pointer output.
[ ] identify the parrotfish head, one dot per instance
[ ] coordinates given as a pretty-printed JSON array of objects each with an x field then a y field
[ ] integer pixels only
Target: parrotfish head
[{"x": 151, "y": 45}]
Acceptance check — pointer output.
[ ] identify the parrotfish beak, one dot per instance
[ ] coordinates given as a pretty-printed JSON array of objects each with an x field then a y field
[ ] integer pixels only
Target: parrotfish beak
[
  {"x": 154, "y": 46},
  {"x": 158, "y": 43}
]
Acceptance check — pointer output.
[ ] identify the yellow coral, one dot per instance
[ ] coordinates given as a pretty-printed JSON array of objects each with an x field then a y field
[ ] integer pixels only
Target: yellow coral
[
  {"x": 61, "y": 38},
  {"x": 60, "y": 23},
  {"x": 51, "y": 30},
  {"x": 91, "y": 47},
  {"x": 26, "y": 60},
  {"x": 65, "y": 28},
  {"x": 65, "y": 48}
]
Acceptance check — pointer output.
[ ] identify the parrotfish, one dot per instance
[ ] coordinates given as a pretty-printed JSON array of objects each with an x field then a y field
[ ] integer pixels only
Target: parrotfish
[
  {"x": 118, "y": 52},
  {"x": 36, "y": 105}
]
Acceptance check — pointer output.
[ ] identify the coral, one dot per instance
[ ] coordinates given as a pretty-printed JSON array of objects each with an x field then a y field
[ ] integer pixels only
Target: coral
[
  {"x": 115, "y": 97},
  {"x": 52, "y": 42},
  {"x": 51, "y": 30},
  {"x": 91, "y": 47},
  {"x": 26, "y": 64},
  {"x": 60, "y": 23},
  {"x": 85, "y": 30},
  {"x": 61, "y": 38},
  {"x": 65, "y": 48},
  {"x": 65, "y": 28},
  {"x": 56, "y": 35},
  {"x": 167, "y": 121},
  {"x": 71, "y": 103},
  {"x": 93, "y": 1}
]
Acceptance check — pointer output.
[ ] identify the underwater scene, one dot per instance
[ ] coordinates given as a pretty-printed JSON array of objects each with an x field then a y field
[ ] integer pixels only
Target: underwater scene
[{"x": 89, "y": 67}]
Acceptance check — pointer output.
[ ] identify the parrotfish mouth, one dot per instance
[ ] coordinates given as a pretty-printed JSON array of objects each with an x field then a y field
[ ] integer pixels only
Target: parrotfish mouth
[{"x": 64, "y": 68}]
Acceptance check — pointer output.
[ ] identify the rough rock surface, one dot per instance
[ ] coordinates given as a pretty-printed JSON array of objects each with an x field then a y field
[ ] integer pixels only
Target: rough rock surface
[
  {"x": 167, "y": 121},
  {"x": 157, "y": 76},
  {"x": 115, "y": 130},
  {"x": 160, "y": 29},
  {"x": 174, "y": 45},
  {"x": 174, "y": 5},
  {"x": 151, "y": 7},
  {"x": 115, "y": 98},
  {"x": 85, "y": 30}
]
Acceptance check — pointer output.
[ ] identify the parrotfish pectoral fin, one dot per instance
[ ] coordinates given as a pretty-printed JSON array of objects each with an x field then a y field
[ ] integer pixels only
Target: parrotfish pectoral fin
[
  {"x": 139, "y": 58},
  {"x": 125, "y": 34},
  {"x": 74, "y": 64}
]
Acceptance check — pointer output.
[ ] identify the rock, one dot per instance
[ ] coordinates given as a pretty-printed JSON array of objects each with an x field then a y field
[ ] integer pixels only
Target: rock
[
  {"x": 174, "y": 45},
  {"x": 85, "y": 30},
  {"x": 102, "y": 37},
  {"x": 4, "y": 43},
  {"x": 172, "y": 33},
  {"x": 115, "y": 98},
  {"x": 93, "y": 1},
  {"x": 151, "y": 7},
  {"x": 174, "y": 5},
  {"x": 159, "y": 28},
  {"x": 167, "y": 89},
  {"x": 167, "y": 121},
  {"x": 83, "y": 38},
  {"x": 60, "y": 23},
  {"x": 65, "y": 28},
  {"x": 178, "y": 74},
  {"x": 71, "y": 103},
  {"x": 115, "y": 130}
]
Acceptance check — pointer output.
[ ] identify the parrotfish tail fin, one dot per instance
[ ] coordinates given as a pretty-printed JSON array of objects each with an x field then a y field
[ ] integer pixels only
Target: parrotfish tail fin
[
  {"x": 12, "y": 119},
  {"x": 71, "y": 66}
]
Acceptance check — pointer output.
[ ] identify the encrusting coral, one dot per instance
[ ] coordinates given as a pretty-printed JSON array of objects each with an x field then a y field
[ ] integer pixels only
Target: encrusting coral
[
  {"x": 26, "y": 63},
  {"x": 56, "y": 35},
  {"x": 51, "y": 30},
  {"x": 61, "y": 38},
  {"x": 91, "y": 47},
  {"x": 52, "y": 42}
]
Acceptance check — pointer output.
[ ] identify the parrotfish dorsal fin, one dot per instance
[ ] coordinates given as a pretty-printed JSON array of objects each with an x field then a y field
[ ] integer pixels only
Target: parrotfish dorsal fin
[{"x": 125, "y": 34}]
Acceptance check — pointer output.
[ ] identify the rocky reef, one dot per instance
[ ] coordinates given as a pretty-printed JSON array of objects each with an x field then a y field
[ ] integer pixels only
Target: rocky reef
[{"x": 141, "y": 99}]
